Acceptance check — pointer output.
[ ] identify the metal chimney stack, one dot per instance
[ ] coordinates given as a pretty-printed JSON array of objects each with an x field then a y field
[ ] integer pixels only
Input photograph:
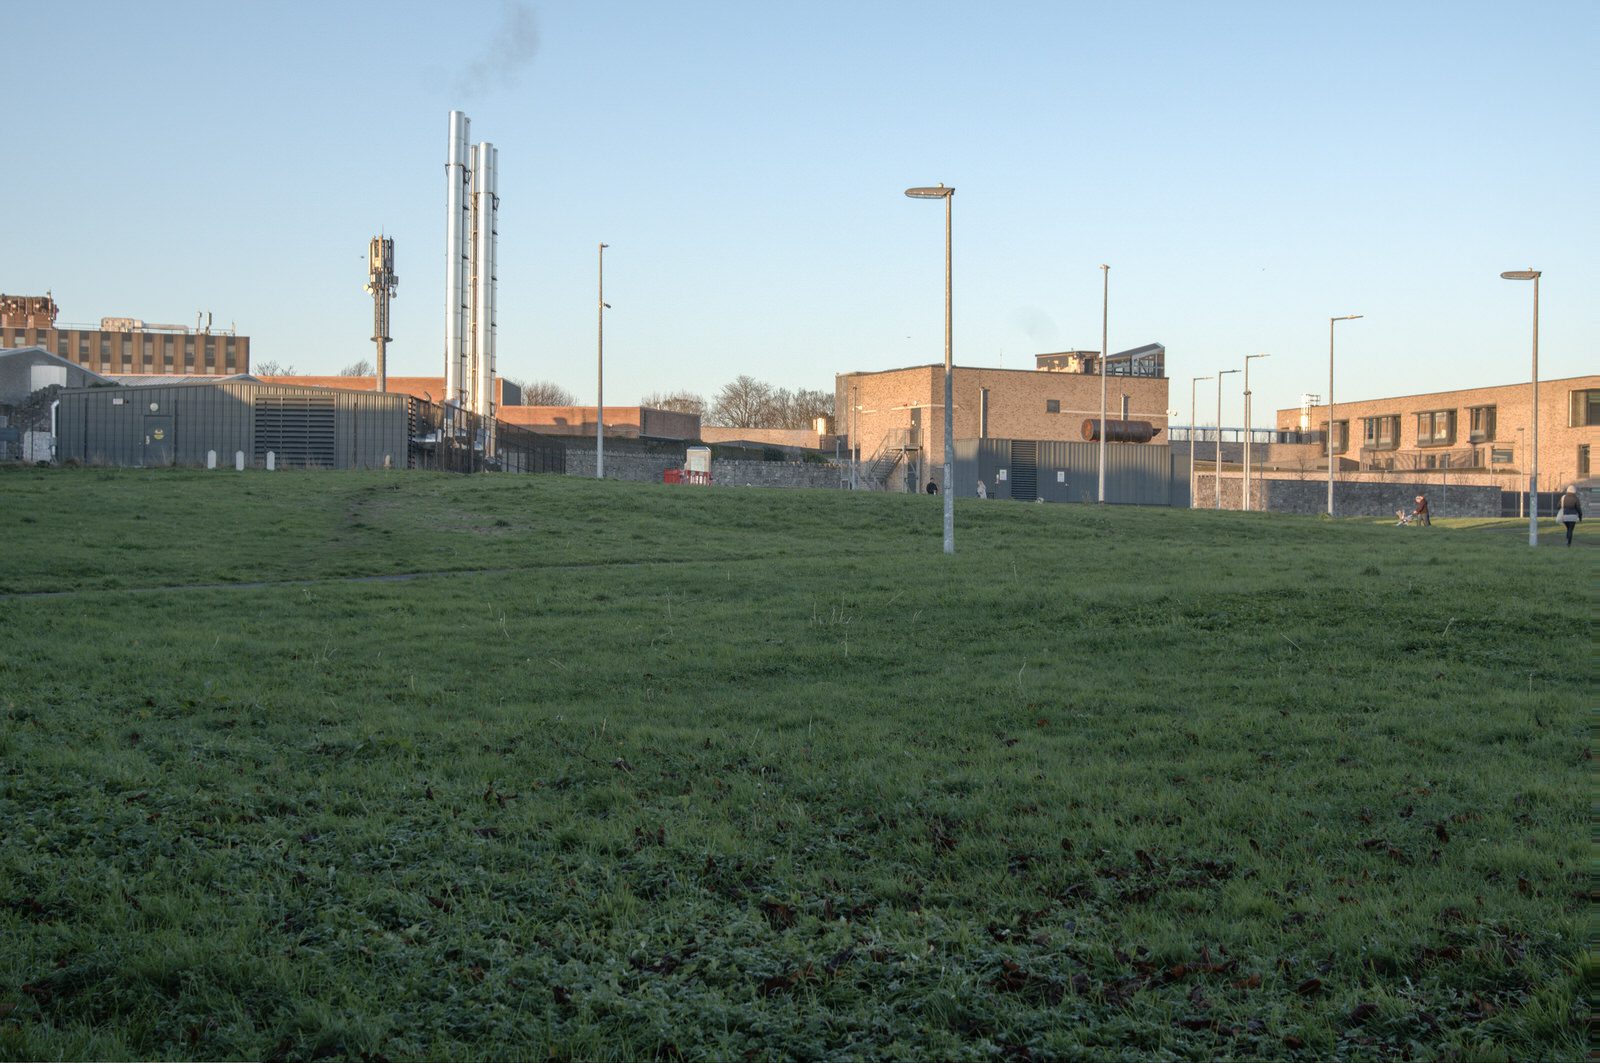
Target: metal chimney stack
[
  {"x": 457, "y": 256},
  {"x": 381, "y": 282},
  {"x": 485, "y": 213}
]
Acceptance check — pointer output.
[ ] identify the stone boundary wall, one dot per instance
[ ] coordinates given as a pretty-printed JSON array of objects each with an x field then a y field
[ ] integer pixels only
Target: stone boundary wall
[
  {"x": 647, "y": 466},
  {"x": 776, "y": 474},
  {"x": 623, "y": 464},
  {"x": 1351, "y": 499}
]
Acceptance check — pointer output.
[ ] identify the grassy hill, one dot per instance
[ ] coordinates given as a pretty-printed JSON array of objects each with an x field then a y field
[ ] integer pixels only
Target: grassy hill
[{"x": 403, "y": 765}]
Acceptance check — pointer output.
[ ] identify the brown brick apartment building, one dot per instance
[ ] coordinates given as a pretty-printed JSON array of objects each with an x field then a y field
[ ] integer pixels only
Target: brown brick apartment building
[
  {"x": 904, "y": 408},
  {"x": 122, "y": 345},
  {"x": 1479, "y": 434}
]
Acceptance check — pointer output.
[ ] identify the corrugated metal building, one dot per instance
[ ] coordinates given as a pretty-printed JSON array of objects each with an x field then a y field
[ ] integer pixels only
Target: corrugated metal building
[
  {"x": 176, "y": 424},
  {"x": 1069, "y": 472}
]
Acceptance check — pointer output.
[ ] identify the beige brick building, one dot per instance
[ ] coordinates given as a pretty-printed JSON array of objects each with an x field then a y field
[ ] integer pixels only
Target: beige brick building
[
  {"x": 1480, "y": 435},
  {"x": 903, "y": 409},
  {"x": 122, "y": 346}
]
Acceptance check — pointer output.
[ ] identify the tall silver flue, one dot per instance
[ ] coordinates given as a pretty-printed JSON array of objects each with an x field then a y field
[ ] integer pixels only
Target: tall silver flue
[
  {"x": 485, "y": 212},
  {"x": 457, "y": 254}
]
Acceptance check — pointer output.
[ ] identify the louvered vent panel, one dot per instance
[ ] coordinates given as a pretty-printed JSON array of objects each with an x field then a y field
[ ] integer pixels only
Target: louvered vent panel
[{"x": 298, "y": 429}]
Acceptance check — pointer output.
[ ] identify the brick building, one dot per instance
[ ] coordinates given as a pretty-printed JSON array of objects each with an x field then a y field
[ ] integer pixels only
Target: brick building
[
  {"x": 122, "y": 345},
  {"x": 628, "y": 422},
  {"x": 902, "y": 410},
  {"x": 1481, "y": 435}
]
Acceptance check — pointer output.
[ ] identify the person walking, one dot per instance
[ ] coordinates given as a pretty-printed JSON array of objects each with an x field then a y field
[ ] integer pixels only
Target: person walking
[
  {"x": 1420, "y": 514},
  {"x": 1570, "y": 510},
  {"x": 983, "y": 489}
]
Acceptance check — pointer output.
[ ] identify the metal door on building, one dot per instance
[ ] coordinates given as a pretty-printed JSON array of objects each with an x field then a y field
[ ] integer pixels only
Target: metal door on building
[
  {"x": 1024, "y": 470},
  {"x": 157, "y": 440}
]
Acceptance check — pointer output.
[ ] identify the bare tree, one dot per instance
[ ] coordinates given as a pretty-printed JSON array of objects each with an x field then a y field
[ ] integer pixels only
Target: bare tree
[
  {"x": 799, "y": 408},
  {"x": 676, "y": 401},
  {"x": 543, "y": 392},
  {"x": 271, "y": 368},
  {"x": 745, "y": 402},
  {"x": 359, "y": 367}
]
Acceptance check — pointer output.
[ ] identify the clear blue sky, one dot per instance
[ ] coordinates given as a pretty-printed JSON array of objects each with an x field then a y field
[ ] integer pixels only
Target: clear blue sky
[{"x": 1247, "y": 170}]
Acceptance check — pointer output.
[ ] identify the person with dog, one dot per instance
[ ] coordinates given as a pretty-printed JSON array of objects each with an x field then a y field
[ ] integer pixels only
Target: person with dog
[
  {"x": 1569, "y": 511},
  {"x": 1418, "y": 515}
]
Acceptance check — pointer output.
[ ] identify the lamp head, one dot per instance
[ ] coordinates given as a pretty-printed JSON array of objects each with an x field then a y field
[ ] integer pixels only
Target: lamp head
[
  {"x": 1347, "y": 317},
  {"x": 938, "y": 192},
  {"x": 1520, "y": 275}
]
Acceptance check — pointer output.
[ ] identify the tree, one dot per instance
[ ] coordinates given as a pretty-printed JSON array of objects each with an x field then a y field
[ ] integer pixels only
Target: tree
[
  {"x": 676, "y": 402},
  {"x": 745, "y": 402},
  {"x": 799, "y": 408},
  {"x": 543, "y": 392},
  {"x": 360, "y": 367},
  {"x": 271, "y": 368}
]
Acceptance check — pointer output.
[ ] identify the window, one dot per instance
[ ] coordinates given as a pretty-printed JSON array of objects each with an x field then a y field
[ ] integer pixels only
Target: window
[
  {"x": 1341, "y": 435},
  {"x": 1436, "y": 428},
  {"x": 1500, "y": 455},
  {"x": 1480, "y": 427},
  {"x": 1585, "y": 408},
  {"x": 1052, "y": 405},
  {"x": 1583, "y": 459},
  {"x": 1381, "y": 433},
  {"x": 1124, "y": 407}
]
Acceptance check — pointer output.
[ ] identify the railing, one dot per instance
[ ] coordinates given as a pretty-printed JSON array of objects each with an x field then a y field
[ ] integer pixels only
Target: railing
[
  {"x": 1425, "y": 459},
  {"x": 450, "y": 439},
  {"x": 1183, "y": 433}
]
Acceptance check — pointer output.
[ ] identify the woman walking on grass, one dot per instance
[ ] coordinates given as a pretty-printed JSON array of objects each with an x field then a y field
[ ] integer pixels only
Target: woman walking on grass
[{"x": 1570, "y": 511}]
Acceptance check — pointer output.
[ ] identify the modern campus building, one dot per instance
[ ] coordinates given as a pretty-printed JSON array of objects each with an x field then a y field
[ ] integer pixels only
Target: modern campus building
[
  {"x": 122, "y": 345},
  {"x": 1477, "y": 435}
]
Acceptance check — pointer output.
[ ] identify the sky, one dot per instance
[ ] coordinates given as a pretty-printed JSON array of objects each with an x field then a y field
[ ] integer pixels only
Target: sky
[{"x": 1247, "y": 170}]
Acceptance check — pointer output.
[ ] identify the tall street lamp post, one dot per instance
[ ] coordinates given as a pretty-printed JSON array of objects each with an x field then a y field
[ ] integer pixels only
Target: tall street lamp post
[
  {"x": 600, "y": 375},
  {"x": 1533, "y": 447},
  {"x": 1105, "y": 363},
  {"x": 1332, "y": 461},
  {"x": 1247, "y": 359},
  {"x": 1193, "y": 384},
  {"x": 941, "y": 192},
  {"x": 1216, "y": 467}
]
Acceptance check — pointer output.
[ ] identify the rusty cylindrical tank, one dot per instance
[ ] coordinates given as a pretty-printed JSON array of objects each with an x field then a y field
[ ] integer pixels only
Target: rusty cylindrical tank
[{"x": 1120, "y": 431}]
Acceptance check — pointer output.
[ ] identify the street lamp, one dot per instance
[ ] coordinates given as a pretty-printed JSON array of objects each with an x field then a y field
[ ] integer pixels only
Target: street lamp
[
  {"x": 1331, "y": 459},
  {"x": 1216, "y": 466},
  {"x": 600, "y": 374},
  {"x": 946, "y": 194},
  {"x": 1192, "y": 385},
  {"x": 1105, "y": 356},
  {"x": 1247, "y": 425},
  {"x": 1533, "y": 449}
]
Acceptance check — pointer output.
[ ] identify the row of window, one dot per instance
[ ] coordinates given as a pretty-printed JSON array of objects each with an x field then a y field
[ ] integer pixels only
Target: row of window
[
  {"x": 1054, "y": 406},
  {"x": 1475, "y": 459},
  {"x": 1438, "y": 428}
]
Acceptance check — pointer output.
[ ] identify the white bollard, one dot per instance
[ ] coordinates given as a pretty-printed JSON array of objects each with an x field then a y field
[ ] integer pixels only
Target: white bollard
[
  {"x": 238, "y": 460},
  {"x": 211, "y": 459},
  {"x": 272, "y": 461}
]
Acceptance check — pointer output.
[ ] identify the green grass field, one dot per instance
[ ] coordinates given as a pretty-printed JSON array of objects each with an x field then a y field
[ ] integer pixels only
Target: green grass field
[{"x": 613, "y": 770}]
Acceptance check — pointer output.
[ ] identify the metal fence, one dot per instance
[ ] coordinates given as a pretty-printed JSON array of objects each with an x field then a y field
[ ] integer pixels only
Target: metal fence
[
  {"x": 1179, "y": 433},
  {"x": 450, "y": 439},
  {"x": 1057, "y": 471}
]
